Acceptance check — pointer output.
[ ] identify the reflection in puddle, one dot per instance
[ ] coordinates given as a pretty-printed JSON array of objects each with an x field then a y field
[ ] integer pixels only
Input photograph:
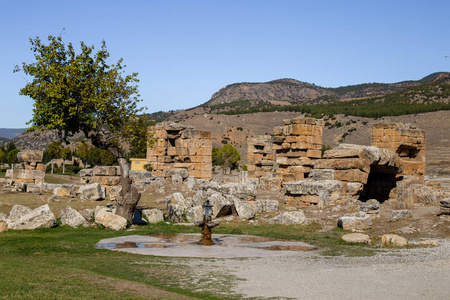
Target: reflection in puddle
[{"x": 171, "y": 240}]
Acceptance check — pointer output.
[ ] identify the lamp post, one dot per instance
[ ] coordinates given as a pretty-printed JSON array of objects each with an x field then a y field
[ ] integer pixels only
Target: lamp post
[{"x": 206, "y": 224}]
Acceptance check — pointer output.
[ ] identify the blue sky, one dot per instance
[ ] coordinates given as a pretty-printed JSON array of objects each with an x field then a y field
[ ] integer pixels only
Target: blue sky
[{"x": 184, "y": 51}]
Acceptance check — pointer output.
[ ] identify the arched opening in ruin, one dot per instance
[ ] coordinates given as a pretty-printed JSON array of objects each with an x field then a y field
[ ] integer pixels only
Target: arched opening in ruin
[
  {"x": 382, "y": 179},
  {"x": 226, "y": 211}
]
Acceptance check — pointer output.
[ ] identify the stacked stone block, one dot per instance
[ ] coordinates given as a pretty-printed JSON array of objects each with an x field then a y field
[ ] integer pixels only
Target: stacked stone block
[
  {"x": 347, "y": 171},
  {"x": 297, "y": 145},
  {"x": 260, "y": 156},
  {"x": 29, "y": 170},
  {"x": 106, "y": 176},
  {"x": 407, "y": 141},
  {"x": 178, "y": 146}
]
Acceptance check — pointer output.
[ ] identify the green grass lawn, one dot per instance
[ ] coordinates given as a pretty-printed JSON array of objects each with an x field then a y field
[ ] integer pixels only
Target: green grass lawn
[{"x": 62, "y": 263}]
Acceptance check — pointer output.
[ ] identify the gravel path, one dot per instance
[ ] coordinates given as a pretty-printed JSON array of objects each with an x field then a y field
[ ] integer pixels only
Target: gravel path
[{"x": 421, "y": 273}]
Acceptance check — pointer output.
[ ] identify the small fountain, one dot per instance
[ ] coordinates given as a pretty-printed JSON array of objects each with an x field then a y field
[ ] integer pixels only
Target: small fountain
[{"x": 206, "y": 225}]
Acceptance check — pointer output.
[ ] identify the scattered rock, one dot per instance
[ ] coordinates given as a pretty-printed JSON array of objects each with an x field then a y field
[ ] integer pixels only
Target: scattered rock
[
  {"x": 18, "y": 211},
  {"x": 356, "y": 221},
  {"x": 397, "y": 215},
  {"x": 110, "y": 220},
  {"x": 357, "y": 238},
  {"x": 370, "y": 206},
  {"x": 91, "y": 191},
  {"x": 73, "y": 218},
  {"x": 33, "y": 188},
  {"x": 245, "y": 209},
  {"x": 41, "y": 217},
  {"x": 153, "y": 215},
  {"x": 194, "y": 214},
  {"x": 289, "y": 218},
  {"x": 63, "y": 192},
  {"x": 393, "y": 240}
]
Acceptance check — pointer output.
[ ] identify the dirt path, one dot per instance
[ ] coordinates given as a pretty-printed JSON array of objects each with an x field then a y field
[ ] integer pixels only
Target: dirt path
[{"x": 403, "y": 274}]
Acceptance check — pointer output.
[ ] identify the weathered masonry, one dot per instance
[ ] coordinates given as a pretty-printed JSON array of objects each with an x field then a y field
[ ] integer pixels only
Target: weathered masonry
[
  {"x": 407, "y": 141},
  {"x": 290, "y": 152},
  {"x": 179, "y": 146}
]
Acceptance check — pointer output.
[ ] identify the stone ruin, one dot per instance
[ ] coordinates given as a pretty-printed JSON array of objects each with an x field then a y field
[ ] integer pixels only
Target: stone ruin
[
  {"x": 407, "y": 141},
  {"x": 290, "y": 153},
  {"x": 29, "y": 169},
  {"x": 179, "y": 146},
  {"x": 291, "y": 158},
  {"x": 347, "y": 171}
]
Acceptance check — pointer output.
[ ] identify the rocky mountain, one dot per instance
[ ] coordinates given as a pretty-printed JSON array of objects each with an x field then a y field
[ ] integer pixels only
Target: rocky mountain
[{"x": 294, "y": 92}]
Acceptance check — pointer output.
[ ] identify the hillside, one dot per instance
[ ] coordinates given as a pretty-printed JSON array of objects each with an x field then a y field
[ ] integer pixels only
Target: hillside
[
  {"x": 10, "y": 133},
  {"x": 294, "y": 92}
]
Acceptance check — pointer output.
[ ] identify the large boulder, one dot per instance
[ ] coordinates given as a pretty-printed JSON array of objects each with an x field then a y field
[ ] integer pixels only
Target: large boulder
[
  {"x": 357, "y": 238},
  {"x": 183, "y": 173},
  {"x": 18, "y": 211},
  {"x": 30, "y": 156},
  {"x": 194, "y": 214},
  {"x": 41, "y": 217},
  {"x": 110, "y": 220},
  {"x": 289, "y": 218},
  {"x": 91, "y": 191},
  {"x": 393, "y": 240},
  {"x": 355, "y": 221},
  {"x": 398, "y": 215},
  {"x": 72, "y": 217},
  {"x": 153, "y": 215},
  {"x": 245, "y": 209}
]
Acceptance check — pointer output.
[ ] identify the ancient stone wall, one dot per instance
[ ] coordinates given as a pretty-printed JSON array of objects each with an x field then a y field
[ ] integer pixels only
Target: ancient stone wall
[
  {"x": 347, "y": 171},
  {"x": 260, "y": 156},
  {"x": 179, "y": 146},
  {"x": 106, "y": 176},
  {"x": 290, "y": 152},
  {"x": 29, "y": 169},
  {"x": 407, "y": 141}
]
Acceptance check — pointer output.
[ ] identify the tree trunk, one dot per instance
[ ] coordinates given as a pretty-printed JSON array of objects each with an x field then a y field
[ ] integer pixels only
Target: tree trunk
[{"x": 129, "y": 196}]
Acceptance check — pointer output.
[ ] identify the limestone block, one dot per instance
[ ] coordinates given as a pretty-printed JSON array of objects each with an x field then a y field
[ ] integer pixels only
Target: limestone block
[
  {"x": 354, "y": 188},
  {"x": 194, "y": 214},
  {"x": 33, "y": 188},
  {"x": 321, "y": 174},
  {"x": 398, "y": 215},
  {"x": 106, "y": 171},
  {"x": 356, "y": 221},
  {"x": 314, "y": 153},
  {"x": 245, "y": 209},
  {"x": 357, "y": 238},
  {"x": 153, "y": 215},
  {"x": 91, "y": 192},
  {"x": 289, "y": 218},
  {"x": 18, "y": 211},
  {"x": 353, "y": 175},
  {"x": 300, "y": 129},
  {"x": 86, "y": 173},
  {"x": 343, "y": 164},
  {"x": 64, "y": 192},
  {"x": 72, "y": 217},
  {"x": 41, "y": 217},
  {"x": 110, "y": 220},
  {"x": 30, "y": 156},
  {"x": 393, "y": 240}
]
